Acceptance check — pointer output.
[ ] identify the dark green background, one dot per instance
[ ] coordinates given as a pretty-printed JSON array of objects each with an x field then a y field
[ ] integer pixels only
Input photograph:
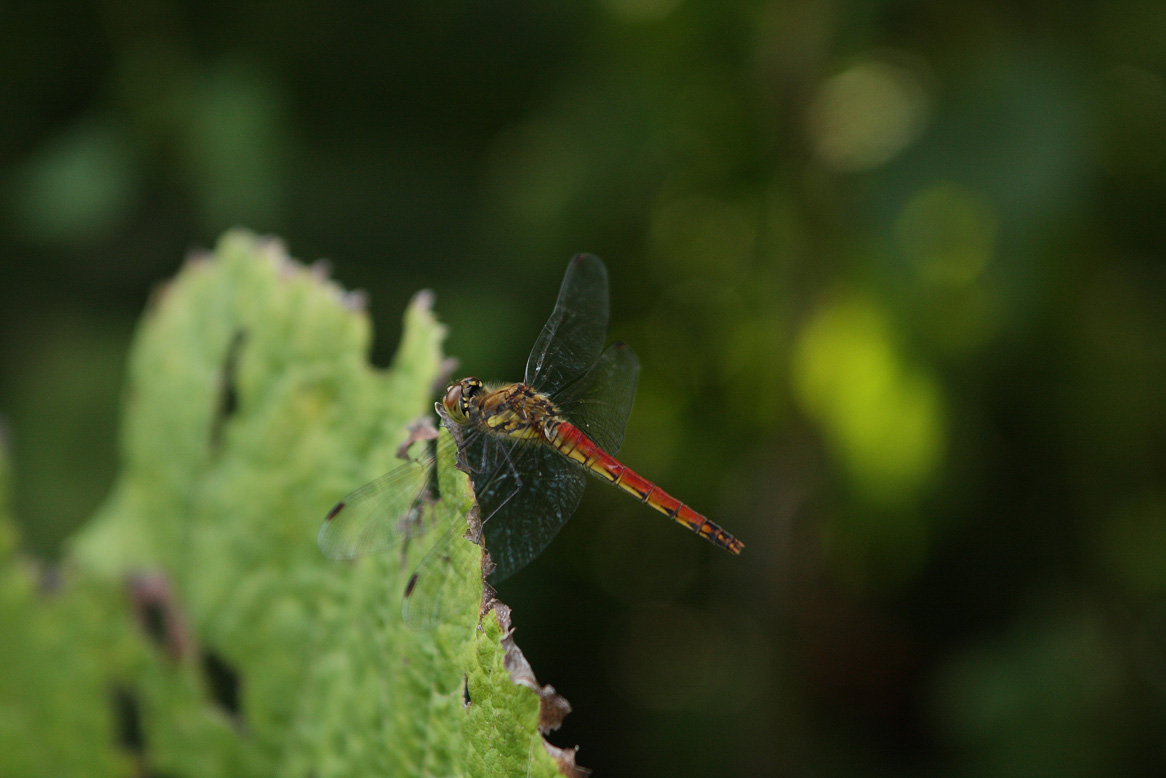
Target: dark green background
[{"x": 894, "y": 272}]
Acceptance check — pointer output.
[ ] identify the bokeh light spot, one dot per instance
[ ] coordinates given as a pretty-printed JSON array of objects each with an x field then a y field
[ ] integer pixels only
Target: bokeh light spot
[
  {"x": 539, "y": 169},
  {"x": 948, "y": 233},
  {"x": 701, "y": 236},
  {"x": 864, "y": 116},
  {"x": 236, "y": 143},
  {"x": 77, "y": 188},
  {"x": 882, "y": 417}
]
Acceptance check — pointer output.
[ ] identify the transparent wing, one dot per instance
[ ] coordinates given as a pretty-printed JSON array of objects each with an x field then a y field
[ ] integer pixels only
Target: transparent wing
[
  {"x": 573, "y": 336},
  {"x": 388, "y": 511},
  {"x": 527, "y": 505},
  {"x": 600, "y": 402}
]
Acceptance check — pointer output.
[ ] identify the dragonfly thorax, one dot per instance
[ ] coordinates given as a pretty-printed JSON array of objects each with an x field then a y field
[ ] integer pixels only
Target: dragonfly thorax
[{"x": 515, "y": 410}]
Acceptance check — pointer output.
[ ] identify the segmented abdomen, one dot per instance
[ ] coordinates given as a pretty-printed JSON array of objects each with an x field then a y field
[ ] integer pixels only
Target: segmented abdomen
[{"x": 573, "y": 443}]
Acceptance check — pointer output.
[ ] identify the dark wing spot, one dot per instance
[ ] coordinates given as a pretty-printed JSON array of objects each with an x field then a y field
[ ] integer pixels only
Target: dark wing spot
[
  {"x": 412, "y": 583},
  {"x": 335, "y": 509}
]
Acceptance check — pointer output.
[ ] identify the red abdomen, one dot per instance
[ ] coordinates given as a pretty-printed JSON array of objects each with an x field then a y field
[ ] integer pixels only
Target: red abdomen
[{"x": 574, "y": 444}]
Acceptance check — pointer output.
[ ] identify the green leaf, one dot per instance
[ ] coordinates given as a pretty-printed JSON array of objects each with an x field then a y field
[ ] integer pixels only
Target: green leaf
[{"x": 197, "y": 629}]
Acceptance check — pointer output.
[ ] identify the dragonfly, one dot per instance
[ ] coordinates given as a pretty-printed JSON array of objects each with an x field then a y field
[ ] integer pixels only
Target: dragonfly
[{"x": 528, "y": 448}]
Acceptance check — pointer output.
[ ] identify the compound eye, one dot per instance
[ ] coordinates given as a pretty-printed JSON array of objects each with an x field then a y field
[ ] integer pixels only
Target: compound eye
[
  {"x": 453, "y": 395},
  {"x": 455, "y": 402}
]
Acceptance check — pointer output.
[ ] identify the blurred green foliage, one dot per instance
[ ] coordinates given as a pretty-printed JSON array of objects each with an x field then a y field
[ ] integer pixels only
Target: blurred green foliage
[{"x": 894, "y": 272}]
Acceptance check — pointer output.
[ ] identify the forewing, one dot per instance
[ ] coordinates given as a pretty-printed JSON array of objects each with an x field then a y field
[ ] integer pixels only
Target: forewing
[
  {"x": 600, "y": 402},
  {"x": 519, "y": 521},
  {"x": 386, "y": 512},
  {"x": 573, "y": 336}
]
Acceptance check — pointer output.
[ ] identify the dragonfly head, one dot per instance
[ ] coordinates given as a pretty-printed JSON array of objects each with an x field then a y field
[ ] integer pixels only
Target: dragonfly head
[{"x": 457, "y": 400}]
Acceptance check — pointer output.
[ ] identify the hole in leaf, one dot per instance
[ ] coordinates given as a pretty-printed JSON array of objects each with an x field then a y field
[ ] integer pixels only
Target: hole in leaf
[
  {"x": 154, "y": 622},
  {"x": 222, "y": 681},
  {"x": 466, "y": 701},
  {"x": 228, "y": 401},
  {"x": 128, "y": 721},
  {"x": 158, "y": 614}
]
